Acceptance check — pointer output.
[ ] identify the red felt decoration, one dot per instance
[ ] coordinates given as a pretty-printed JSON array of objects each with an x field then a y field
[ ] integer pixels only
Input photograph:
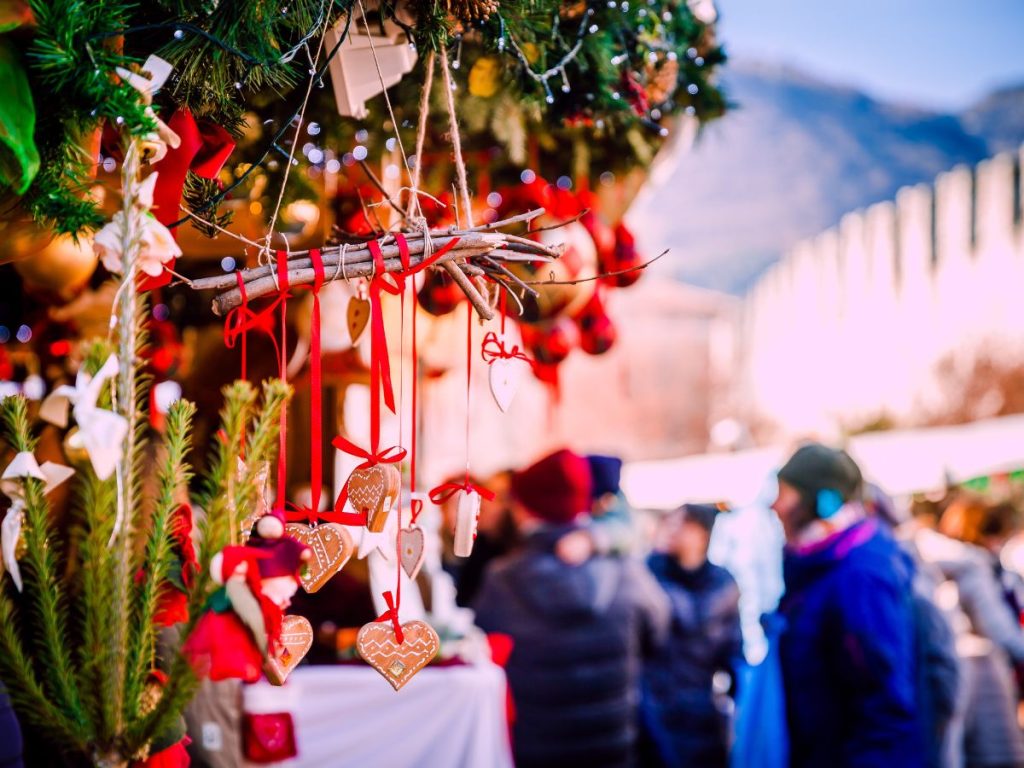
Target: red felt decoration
[{"x": 268, "y": 737}]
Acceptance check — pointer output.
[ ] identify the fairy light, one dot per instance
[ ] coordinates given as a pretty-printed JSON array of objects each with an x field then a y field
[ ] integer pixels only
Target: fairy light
[{"x": 559, "y": 68}]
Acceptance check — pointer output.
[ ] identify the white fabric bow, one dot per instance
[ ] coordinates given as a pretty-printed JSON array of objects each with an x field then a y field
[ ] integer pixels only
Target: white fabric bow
[
  {"x": 12, "y": 484},
  {"x": 159, "y": 71},
  {"x": 100, "y": 432}
]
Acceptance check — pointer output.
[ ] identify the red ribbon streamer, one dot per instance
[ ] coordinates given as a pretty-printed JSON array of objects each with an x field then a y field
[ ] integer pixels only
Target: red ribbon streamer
[
  {"x": 204, "y": 149},
  {"x": 380, "y": 368},
  {"x": 242, "y": 319},
  {"x": 391, "y": 614},
  {"x": 282, "y": 459}
]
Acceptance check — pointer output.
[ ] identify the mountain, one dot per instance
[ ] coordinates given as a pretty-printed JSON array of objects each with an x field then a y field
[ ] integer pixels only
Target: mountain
[
  {"x": 790, "y": 159},
  {"x": 999, "y": 118}
]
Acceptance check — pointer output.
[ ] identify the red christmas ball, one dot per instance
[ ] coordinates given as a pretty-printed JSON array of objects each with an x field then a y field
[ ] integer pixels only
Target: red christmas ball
[{"x": 597, "y": 331}]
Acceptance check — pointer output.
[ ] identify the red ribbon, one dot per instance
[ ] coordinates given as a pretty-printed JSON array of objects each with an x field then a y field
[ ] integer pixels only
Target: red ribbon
[
  {"x": 316, "y": 401},
  {"x": 445, "y": 491},
  {"x": 242, "y": 319},
  {"x": 282, "y": 456},
  {"x": 391, "y": 614},
  {"x": 204, "y": 149},
  {"x": 380, "y": 368},
  {"x": 493, "y": 348}
]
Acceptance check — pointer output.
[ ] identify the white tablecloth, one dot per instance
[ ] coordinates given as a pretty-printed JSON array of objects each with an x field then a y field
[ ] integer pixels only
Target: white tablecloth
[{"x": 451, "y": 717}]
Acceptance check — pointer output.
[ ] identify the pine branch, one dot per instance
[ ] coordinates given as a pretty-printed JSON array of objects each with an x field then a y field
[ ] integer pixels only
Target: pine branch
[
  {"x": 222, "y": 485},
  {"x": 96, "y": 505},
  {"x": 44, "y": 594},
  {"x": 173, "y": 475}
]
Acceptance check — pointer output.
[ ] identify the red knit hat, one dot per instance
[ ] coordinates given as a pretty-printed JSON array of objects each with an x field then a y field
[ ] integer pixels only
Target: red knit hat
[{"x": 556, "y": 489}]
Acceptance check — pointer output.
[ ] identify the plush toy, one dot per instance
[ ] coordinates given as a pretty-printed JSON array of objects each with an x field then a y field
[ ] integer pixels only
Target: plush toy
[{"x": 241, "y": 629}]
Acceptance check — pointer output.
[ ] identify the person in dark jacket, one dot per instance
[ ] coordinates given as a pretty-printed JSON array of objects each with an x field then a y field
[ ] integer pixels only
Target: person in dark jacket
[
  {"x": 682, "y": 714},
  {"x": 579, "y": 630},
  {"x": 848, "y": 652},
  {"x": 10, "y": 733}
]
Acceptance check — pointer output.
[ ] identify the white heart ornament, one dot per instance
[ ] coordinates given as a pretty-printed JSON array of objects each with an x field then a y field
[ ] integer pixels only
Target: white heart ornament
[
  {"x": 504, "y": 377},
  {"x": 465, "y": 522}
]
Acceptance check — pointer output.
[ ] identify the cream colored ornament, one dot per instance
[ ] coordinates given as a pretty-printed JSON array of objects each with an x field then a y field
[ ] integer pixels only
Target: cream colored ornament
[
  {"x": 296, "y": 640},
  {"x": 332, "y": 547},
  {"x": 354, "y": 69},
  {"x": 411, "y": 549},
  {"x": 466, "y": 516},
  {"x": 505, "y": 376},
  {"x": 398, "y": 662}
]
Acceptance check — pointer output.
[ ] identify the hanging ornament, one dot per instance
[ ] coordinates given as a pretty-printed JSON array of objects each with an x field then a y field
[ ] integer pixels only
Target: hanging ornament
[
  {"x": 485, "y": 77},
  {"x": 12, "y": 484},
  {"x": 597, "y": 331},
  {"x": 331, "y": 546},
  {"x": 374, "y": 491},
  {"x": 366, "y": 64},
  {"x": 53, "y": 265},
  {"x": 466, "y": 516},
  {"x": 411, "y": 545},
  {"x": 398, "y": 659},
  {"x": 439, "y": 295},
  {"x": 507, "y": 365},
  {"x": 624, "y": 256},
  {"x": 357, "y": 316},
  {"x": 296, "y": 640}
]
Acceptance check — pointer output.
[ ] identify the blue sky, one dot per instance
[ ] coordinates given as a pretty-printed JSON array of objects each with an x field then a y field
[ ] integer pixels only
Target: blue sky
[{"x": 942, "y": 54}]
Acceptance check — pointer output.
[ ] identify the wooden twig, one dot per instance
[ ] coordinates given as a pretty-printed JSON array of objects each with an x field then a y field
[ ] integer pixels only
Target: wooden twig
[
  {"x": 601, "y": 276},
  {"x": 498, "y": 267}
]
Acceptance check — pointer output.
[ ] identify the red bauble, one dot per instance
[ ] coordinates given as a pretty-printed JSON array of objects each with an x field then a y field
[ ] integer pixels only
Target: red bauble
[
  {"x": 597, "y": 331},
  {"x": 624, "y": 256},
  {"x": 439, "y": 294},
  {"x": 551, "y": 345}
]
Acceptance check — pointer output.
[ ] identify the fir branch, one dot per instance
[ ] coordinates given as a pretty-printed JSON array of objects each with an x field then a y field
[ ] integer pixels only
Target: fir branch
[
  {"x": 173, "y": 475},
  {"x": 96, "y": 506},
  {"x": 43, "y": 591},
  {"x": 239, "y": 400}
]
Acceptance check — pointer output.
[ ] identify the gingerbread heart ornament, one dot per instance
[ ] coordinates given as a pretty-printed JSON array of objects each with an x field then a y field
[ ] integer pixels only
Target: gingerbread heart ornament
[
  {"x": 410, "y": 544},
  {"x": 398, "y": 662},
  {"x": 332, "y": 547},
  {"x": 357, "y": 316},
  {"x": 375, "y": 490},
  {"x": 296, "y": 640}
]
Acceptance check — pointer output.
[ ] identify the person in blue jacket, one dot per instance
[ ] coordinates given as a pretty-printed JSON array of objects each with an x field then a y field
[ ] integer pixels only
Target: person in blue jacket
[
  {"x": 10, "y": 734},
  {"x": 684, "y": 708},
  {"x": 848, "y": 650}
]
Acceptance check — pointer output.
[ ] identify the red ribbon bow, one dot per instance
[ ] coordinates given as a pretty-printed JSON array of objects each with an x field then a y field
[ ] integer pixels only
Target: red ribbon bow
[
  {"x": 241, "y": 320},
  {"x": 204, "y": 149},
  {"x": 445, "y": 491},
  {"x": 391, "y": 614},
  {"x": 493, "y": 348}
]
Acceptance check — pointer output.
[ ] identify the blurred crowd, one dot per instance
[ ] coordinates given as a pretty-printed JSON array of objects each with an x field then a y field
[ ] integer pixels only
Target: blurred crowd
[{"x": 894, "y": 637}]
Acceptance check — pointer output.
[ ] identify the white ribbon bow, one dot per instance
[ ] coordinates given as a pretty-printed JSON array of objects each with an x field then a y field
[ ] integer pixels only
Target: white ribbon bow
[
  {"x": 159, "y": 70},
  {"x": 100, "y": 432},
  {"x": 12, "y": 484}
]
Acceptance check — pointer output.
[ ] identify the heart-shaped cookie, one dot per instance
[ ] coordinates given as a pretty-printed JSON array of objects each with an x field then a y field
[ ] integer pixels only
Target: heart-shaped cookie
[
  {"x": 504, "y": 376},
  {"x": 374, "y": 490},
  {"x": 332, "y": 547},
  {"x": 357, "y": 316},
  {"x": 410, "y": 544},
  {"x": 397, "y": 662},
  {"x": 296, "y": 640}
]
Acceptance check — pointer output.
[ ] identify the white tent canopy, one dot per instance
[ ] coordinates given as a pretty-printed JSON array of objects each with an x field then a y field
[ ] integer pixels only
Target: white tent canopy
[{"x": 900, "y": 461}]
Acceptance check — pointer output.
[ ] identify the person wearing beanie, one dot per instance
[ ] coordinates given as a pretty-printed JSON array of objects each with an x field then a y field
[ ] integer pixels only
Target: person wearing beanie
[
  {"x": 848, "y": 649},
  {"x": 579, "y": 626},
  {"x": 684, "y": 717},
  {"x": 612, "y": 519}
]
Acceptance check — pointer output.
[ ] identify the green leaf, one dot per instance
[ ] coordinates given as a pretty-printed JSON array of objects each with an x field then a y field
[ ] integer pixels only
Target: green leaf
[{"x": 19, "y": 158}]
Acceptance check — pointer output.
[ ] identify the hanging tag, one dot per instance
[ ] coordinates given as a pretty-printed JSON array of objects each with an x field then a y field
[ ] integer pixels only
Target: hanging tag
[
  {"x": 357, "y": 317},
  {"x": 465, "y": 522},
  {"x": 411, "y": 546},
  {"x": 505, "y": 376}
]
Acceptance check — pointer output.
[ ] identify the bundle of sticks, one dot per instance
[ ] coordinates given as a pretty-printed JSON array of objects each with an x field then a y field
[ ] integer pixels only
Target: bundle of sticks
[{"x": 482, "y": 251}]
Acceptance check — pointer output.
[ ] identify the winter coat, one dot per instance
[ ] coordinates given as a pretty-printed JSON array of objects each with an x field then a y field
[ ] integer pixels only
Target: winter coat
[
  {"x": 984, "y": 730},
  {"x": 848, "y": 653},
  {"x": 679, "y": 708},
  {"x": 579, "y": 633},
  {"x": 10, "y": 734}
]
